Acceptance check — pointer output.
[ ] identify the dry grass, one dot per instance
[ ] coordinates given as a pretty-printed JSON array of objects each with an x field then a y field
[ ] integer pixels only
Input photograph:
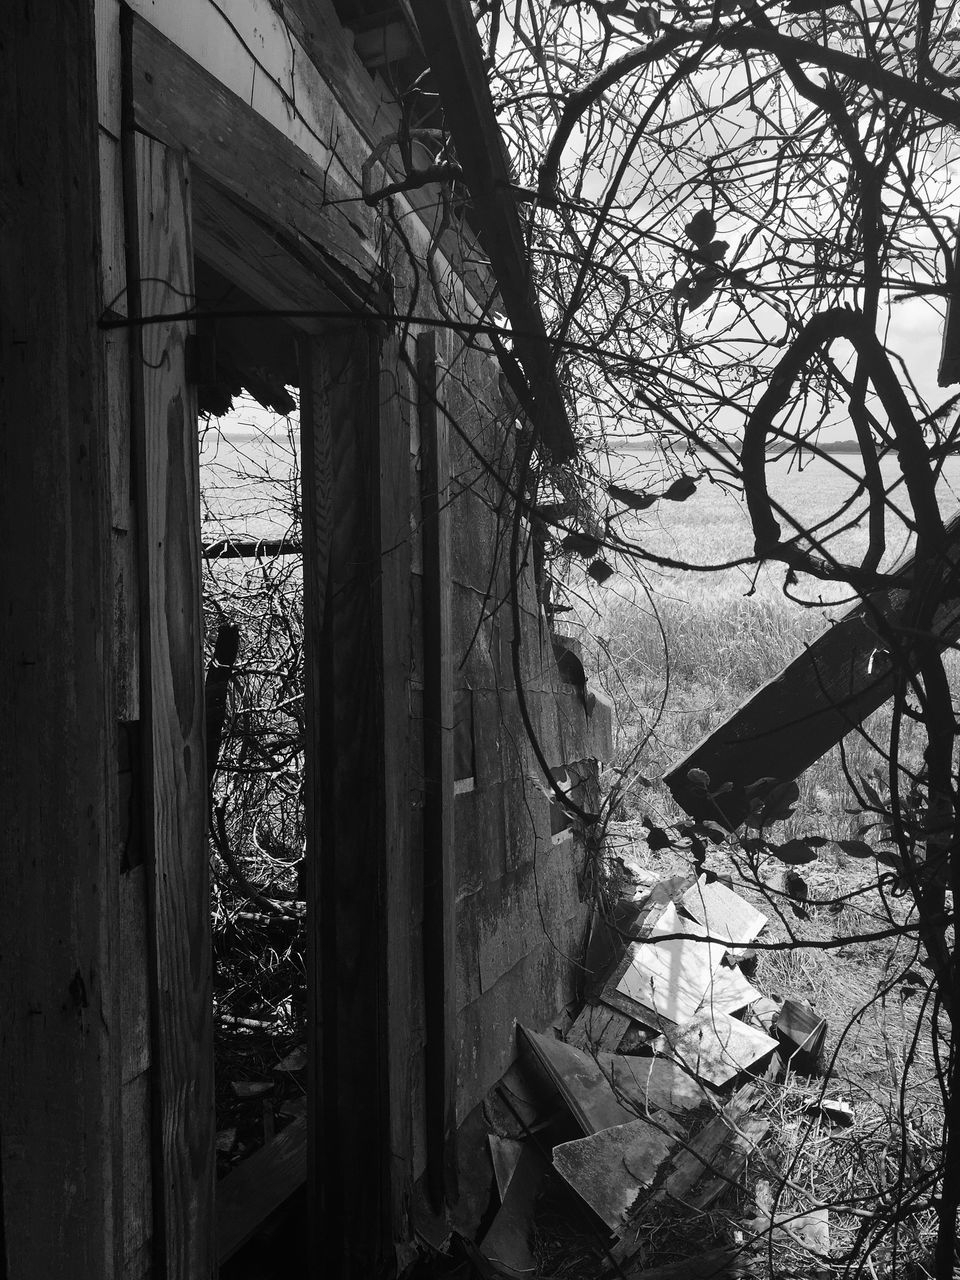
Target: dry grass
[{"x": 678, "y": 654}]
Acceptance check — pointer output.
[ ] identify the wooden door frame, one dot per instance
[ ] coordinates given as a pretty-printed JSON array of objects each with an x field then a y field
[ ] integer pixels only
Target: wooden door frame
[{"x": 356, "y": 573}]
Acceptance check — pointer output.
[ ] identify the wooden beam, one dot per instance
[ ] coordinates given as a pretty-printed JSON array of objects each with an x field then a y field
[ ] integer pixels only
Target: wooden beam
[
  {"x": 258, "y": 1186},
  {"x": 59, "y": 1065},
  {"x": 349, "y": 1083},
  {"x": 452, "y": 44},
  {"x": 180, "y": 103},
  {"x": 812, "y": 704},
  {"x": 439, "y": 874},
  {"x": 160, "y": 273}
]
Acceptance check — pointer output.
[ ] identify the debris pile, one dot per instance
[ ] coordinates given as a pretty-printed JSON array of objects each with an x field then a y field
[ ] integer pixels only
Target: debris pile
[{"x": 650, "y": 1112}]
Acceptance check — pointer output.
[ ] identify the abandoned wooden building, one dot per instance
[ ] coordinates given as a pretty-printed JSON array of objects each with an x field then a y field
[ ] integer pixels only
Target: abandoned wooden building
[{"x": 186, "y": 181}]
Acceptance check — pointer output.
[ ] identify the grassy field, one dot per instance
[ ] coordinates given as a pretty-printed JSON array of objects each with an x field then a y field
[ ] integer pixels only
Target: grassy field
[{"x": 678, "y": 652}]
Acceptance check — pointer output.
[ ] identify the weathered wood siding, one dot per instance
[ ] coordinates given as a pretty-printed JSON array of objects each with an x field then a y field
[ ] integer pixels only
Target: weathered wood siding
[
  {"x": 268, "y": 104},
  {"x": 59, "y": 1048}
]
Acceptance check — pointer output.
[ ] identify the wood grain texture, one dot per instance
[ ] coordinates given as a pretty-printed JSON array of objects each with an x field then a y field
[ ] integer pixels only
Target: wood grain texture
[
  {"x": 136, "y": 1184},
  {"x": 59, "y": 1066},
  {"x": 174, "y": 758},
  {"x": 251, "y": 1192},
  {"x": 349, "y": 1158},
  {"x": 403, "y": 903},
  {"x": 439, "y": 876},
  {"x": 276, "y": 266},
  {"x": 123, "y": 530},
  {"x": 178, "y": 102},
  {"x": 814, "y": 702},
  {"x": 452, "y": 45}
]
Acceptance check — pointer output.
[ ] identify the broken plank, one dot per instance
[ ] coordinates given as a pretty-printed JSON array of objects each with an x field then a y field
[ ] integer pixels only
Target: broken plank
[
  {"x": 598, "y": 1028},
  {"x": 666, "y": 977},
  {"x": 723, "y": 913},
  {"x": 508, "y": 1243},
  {"x": 729, "y": 992},
  {"x": 505, "y": 1154},
  {"x": 716, "y": 1047},
  {"x": 718, "y": 1151},
  {"x": 608, "y": 1170},
  {"x": 812, "y": 704},
  {"x": 258, "y": 1186},
  {"x": 579, "y": 1080}
]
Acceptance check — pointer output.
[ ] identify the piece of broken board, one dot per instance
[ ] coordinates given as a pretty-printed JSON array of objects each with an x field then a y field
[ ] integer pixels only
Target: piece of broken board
[
  {"x": 610, "y": 1089},
  {"x": 724, "y": 915},
  {"x": 664, "y": 980},
  {"x": 716, "y": 1047},
  {"x": 609, "y": 1169}
]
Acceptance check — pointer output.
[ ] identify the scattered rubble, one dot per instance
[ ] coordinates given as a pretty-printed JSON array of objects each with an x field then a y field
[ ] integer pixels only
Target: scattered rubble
[{"x": 645, "y": 1111}]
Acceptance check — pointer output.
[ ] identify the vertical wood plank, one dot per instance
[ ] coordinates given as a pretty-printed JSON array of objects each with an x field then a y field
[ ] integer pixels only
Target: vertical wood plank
[
  {"x": 439, "y": 879},
  {"x": 350, "y": 1129},
  {"x": 402, "y": 911},
  {"x": 316, "y": 472},
  {"x": 168, "y": 500},
  {"x": 59, "y": 1070}
]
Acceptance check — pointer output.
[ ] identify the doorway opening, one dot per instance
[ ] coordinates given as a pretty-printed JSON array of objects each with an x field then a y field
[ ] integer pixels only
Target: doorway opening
[{"x": 248, "y": 386}]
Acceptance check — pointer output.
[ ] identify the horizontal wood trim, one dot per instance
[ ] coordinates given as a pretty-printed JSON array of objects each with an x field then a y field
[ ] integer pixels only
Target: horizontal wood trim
[{"x": 178, "y": 102}]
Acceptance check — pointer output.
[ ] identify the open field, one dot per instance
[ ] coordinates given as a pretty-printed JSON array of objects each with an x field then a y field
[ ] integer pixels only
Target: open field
[{"x": 679, "y": 651}]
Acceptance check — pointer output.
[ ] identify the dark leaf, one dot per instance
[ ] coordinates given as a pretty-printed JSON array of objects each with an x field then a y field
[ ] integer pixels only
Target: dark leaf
[
  {"x": 856, "y": 848},
  {"x": 717, "y": 250},
  {"x": 701, "y": 228},
  {"x": 699, "y": 780},
  {"x": 580, "y": 544},
  {"x": 657, "y": 838},
  {"x": 793, "y": 852},
  {"x": 700, "y": 288},
  {"x": 699, "y": 851},
  {"x": 646, "y": 19},
  {"x": 796, "y": 886},
  {"x": 681, "y": 489},
  {"x": 635, "y": 501},
  {"x": 713, "y": 831},
  {"x": 599, "y": 571},
  {"x": 778, "y": 805}
]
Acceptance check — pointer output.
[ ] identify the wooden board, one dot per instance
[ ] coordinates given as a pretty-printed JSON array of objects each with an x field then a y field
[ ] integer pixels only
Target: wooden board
[
  {"x": 729, "y": 992},
  {"x": 59, "y": 1101},
  {"x": 439, "y": 873},
  {"x": 597, "y": 1028},
  {"x": 177, "y": 101},
  {"x": 168, "y": 501},
  {"x": 453, "y": 48},
  {"x": 666, "y": 978},
  {"x": 403, "y": 900},
  {"x": 258, "y": 1186},
  {"x": 350, "y": 1161},
  {"x": 275, "y": 265},
  {"x": 723, "y": 913},
  {"x": 610, "y": 1089},
  {"x": 609, "y": 1169},
  {"x": 715, "y": 1047},
  {"x": 810, "y": 706}
]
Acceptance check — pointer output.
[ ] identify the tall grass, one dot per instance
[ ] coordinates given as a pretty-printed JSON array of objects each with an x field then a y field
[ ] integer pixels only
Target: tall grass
[{"x": 679, "y": 652}]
